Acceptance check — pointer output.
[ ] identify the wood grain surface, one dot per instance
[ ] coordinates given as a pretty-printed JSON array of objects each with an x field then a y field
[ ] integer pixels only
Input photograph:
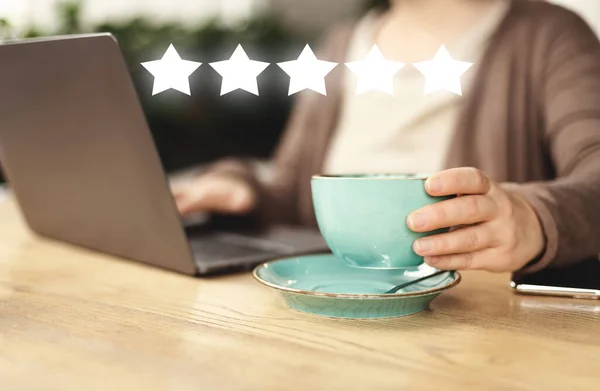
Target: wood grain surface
[{"x": 71, "y": 319}]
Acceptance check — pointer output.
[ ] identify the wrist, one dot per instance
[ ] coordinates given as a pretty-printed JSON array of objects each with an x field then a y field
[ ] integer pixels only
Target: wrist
[{"x": 535, "y": 236}]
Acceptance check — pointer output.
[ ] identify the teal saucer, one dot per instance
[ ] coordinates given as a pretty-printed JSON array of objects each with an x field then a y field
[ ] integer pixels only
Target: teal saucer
[{"x": 325, "y": 285}]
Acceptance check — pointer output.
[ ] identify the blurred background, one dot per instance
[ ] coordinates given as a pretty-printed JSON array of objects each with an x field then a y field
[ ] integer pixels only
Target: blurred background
[{"x": 203, "y": 127}]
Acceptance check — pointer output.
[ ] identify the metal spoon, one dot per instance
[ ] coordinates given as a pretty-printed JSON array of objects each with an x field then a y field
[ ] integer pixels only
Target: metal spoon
[{"x": 405, "y": 284}]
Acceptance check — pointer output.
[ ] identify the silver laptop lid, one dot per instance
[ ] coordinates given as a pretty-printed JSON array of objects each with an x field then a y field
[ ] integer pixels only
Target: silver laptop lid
[{"x": 77, "y": 151}]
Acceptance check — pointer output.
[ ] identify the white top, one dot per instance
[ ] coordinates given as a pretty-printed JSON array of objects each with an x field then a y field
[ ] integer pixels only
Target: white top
[
  {"x": 3, "y": 193},
  {"x": 408, "y": 132}
]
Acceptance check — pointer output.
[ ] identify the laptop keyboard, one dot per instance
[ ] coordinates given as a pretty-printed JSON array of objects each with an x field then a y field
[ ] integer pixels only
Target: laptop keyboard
[{"x": 220, "y": 246}]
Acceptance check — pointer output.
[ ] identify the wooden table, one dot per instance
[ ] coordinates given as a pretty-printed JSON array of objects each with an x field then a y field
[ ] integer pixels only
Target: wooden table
[{"x": 75, "y": 320}]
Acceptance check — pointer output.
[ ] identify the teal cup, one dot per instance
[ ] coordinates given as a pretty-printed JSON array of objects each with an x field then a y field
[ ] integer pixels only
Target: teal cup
[{"x": 363, "y": 217}]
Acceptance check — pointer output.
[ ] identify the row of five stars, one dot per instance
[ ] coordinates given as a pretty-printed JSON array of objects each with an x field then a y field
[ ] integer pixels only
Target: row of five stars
[{"x": 374, "y": 72}]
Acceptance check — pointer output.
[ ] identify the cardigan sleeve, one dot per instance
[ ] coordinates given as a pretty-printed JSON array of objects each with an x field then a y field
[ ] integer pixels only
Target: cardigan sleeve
[{"x": 568, "y": 207}]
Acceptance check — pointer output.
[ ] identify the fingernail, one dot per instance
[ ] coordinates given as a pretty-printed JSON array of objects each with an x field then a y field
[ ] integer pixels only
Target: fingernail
[
  {"x": 435, "y": 185},
  {"x": 424, "y": 245},
  {"x": 239, "y": 201},
  {"x": 431, "y": 260},
  {"x": 417, "y": 220}
]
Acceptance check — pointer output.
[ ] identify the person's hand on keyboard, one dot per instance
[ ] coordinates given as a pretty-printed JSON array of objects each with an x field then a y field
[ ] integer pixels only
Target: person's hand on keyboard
[{"x": 216, "y": 193}]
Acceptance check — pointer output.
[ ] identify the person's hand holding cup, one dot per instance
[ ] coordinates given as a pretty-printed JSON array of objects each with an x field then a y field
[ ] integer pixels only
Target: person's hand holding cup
[{"x": 496, "y": 229}]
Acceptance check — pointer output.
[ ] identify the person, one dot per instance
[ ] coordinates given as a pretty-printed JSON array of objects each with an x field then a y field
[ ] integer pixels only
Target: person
[{"x": 521, "y": 146}]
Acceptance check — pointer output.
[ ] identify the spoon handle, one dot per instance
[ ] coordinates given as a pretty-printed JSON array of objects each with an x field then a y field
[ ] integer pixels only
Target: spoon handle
[{"x": 404, "y": 285}]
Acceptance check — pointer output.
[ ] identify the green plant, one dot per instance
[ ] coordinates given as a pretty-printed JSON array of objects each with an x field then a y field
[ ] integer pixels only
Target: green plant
[
  {"x": 69, "y": 13},
  {"x": 5, "y": 28}
]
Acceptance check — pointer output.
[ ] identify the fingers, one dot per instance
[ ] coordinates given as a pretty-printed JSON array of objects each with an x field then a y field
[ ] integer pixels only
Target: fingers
[
  {"x": 178, "y": 189},
  {"x": 457, "y": 211},
  {"x": 464, "y": 180},
  {"x": 220, "y": 196},
  {"x": 487, "y": 259},
  {"x": 213, "y": 200},
  {"x": 468, "y": 239},
  {"x": 464, "y": 261},
  {"x": 483, "y": 222}
]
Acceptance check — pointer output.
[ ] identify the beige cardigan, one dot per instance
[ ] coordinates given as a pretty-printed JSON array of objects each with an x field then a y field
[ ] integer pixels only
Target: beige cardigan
[{"x": 531, "y": 122}]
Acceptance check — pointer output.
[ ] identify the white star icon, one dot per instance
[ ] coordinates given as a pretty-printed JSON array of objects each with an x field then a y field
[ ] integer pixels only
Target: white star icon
[
  {"x": 171, "y": 72},
  {"x": 307, "y": 72},
  {"x": 375, "y": 73},
  {"x": 239, "y": 72},
  {"x": 443, "y": 73}
]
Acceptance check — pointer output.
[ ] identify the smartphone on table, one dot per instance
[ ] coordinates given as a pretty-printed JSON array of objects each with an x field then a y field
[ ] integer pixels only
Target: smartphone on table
[{"x": 581, "y": 281}]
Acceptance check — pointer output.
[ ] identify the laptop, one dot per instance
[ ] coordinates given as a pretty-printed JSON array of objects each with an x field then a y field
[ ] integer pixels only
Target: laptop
[{"x": 77, "y": 152}]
